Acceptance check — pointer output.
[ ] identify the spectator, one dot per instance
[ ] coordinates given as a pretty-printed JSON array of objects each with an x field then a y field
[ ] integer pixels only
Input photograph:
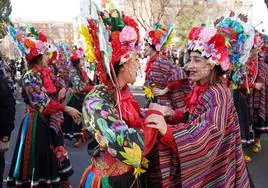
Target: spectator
[{"x": 7, "y": 116}]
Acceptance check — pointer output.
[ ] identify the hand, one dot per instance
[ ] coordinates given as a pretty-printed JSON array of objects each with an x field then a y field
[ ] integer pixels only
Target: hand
[
  {"x": 143, "y": 111},
  {"x": 259, "y": 86},
  {"x": 157, "y": 122},
  {"x": 169, "y": 112},
  {"x": 159, "y": 92},
  {"x": 74, "y": 113},
  {"x": 165, "y": 110},
  {"x": 61, "y": 94},
  {"x": 4, "y": 146}
]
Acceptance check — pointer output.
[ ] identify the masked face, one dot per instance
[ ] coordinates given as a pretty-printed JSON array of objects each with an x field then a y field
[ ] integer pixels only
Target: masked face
[{"x": 199, "y": 68}]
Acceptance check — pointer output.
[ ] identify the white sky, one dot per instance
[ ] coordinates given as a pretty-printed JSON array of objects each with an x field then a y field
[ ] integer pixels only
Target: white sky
[
  {"x": 260, "y": 13},
  {"x": 65, "y": 10},
  {"x": 44, "y": 10}
]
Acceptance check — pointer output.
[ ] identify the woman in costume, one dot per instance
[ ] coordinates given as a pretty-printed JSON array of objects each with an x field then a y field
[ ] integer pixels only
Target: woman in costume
[
  {"x": 258, "y": 99},
  {"x": 166, "y": 81},
  {"x": 208, "y": 143},
  {"x": 239, "y": 37},
  {"x": 167, "y": 85},
  {"x": 81, "y": 85},
  {"x": 110, "y": 112},
  {"x": 40, "y": 159}
]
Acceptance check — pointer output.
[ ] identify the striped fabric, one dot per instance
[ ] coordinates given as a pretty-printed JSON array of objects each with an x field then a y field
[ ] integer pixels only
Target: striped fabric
[
  {"x": 258, "y": 101},
  {"x": 161, "y": 159},
  {"x": 162, "y": 72},
  {"x": 209, "y": 146}
]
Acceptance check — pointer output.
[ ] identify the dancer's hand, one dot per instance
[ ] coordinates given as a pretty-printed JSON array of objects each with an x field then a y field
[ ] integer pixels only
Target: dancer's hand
[
  {"x": 169, "y": 112},
  {"x": 74, "y": 113},
  {"x": 157, "y": 122},
  {"x": 165, "y": 110},
  {"x": 159, "y": 92},
  {"x": 259, "y": 86},
  {"x": 61, "y": 94}
]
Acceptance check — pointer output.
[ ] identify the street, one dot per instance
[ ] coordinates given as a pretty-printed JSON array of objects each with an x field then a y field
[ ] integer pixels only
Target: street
[{"x": 258, "y": 167}]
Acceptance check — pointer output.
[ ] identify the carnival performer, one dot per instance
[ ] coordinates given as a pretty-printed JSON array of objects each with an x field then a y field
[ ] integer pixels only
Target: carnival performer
[
  {"x": 81, "y": 85},
  {"x": 110, "y": 112},
  {"x": 165, "y": 83},
  {"x": 208, "y": 143},
  {"x": 239, "y": 37},
  {"x": 259, "y": 97},
  {"x": 39, "y": 159}
]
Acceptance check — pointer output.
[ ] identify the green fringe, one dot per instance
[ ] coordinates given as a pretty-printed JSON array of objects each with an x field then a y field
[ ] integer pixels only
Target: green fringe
[
  {"x": 104, "y": 182},
  {"x": 32, "y": 157}
]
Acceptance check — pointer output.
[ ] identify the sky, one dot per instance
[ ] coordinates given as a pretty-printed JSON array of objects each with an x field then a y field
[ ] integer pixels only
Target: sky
[
  {"x": 260, "y": 13},
  {"x": 65, "y": 10},
  {"x": 45, "y": 10}
]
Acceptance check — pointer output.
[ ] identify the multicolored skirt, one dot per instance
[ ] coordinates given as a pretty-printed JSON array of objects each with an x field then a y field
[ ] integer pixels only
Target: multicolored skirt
[{"x": 34, "y": 162}]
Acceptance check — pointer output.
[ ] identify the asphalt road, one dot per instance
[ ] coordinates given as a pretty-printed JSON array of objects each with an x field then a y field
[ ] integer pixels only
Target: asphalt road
[{"x": 258, "y": 167}]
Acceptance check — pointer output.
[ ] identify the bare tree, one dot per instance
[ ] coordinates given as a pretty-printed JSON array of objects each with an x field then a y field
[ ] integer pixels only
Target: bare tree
[
  {"x": 184, "y": 13},
  {"x": 148, "y": 12}
]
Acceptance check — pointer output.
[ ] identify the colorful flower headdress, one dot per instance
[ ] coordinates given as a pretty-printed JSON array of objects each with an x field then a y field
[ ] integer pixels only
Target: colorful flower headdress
[
  {"x": 77, "y": 53},
  {"x": 29, "y": 42},
  {"x": 110, "y": 37},
  {"x": 261, "y": 42},
  {"x": 211, "y": 44},
  {"x": 239, "y": 35},
  {"x": 159, "y": 36}
]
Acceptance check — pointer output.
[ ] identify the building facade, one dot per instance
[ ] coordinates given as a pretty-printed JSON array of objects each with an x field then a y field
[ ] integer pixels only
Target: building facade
[{"x": 57, "y": 32}]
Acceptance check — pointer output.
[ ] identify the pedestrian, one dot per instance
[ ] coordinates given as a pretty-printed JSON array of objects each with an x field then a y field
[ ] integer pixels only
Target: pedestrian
[{"x": 7, "y": 116}]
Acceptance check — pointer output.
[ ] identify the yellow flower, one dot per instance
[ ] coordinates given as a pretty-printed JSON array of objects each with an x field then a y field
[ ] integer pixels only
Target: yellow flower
[
  {"x": 148, "y": 93},
  {"x": 234, "y": 86},
  {"x": 144, "y": 162},
  {"x": 132, "y": 155},
  {"x": 138, "y": 171}
]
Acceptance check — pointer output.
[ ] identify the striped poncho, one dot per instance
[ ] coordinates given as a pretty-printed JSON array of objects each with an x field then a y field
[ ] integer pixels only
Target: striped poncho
[
  {"x": 258, "y": 101},
  {"x": 161, "y": 72},
  {"x": 208, "y": 147}
]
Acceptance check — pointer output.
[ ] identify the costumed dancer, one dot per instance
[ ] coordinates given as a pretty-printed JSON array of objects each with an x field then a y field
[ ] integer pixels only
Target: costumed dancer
[
  {"x": 165, "y": 83},
  {"x": 239, "y": 39},
  {"x": 208, "y": 145},
  {"x": 259, "y": 97},
  {"x": 110, "y": 111},
  {"x": 81, "y": 85},
  {"x": 40, "y": 158}
]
